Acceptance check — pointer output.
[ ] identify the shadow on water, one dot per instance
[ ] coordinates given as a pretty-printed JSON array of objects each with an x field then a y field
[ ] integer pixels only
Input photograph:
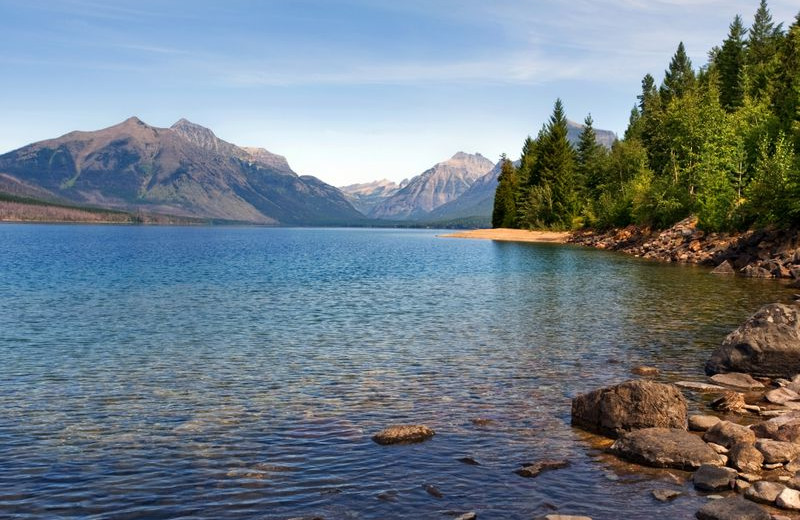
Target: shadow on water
[{"x": 240, "y": 372}]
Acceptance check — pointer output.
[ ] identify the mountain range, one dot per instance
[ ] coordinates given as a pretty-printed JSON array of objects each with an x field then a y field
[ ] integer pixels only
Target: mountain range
[
  {"x": 187, "y": 171},
  {"x": 183, "y": 170}
]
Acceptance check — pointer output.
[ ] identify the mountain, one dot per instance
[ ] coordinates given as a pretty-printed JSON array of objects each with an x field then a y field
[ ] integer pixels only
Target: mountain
[
  {"x": 366, "y": 196},
  {"x": 439, "y": 185},
  {"x": 604, "y": 137},
  {"x": 183, "y": 170}
]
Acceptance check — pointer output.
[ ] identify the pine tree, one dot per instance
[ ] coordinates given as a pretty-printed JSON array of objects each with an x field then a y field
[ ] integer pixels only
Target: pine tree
[
  {"x": 504, "y": 214},
  {"x": 679, "y": 78},
  {"x": 764, "y": 36},
  {"x": 589, "y": 160},
  {"x": 730, "y": 63},
  {"x": 649, "y": 92},
  {"x": 556, "y": 166},
  {"x": 786, "y": 100}
]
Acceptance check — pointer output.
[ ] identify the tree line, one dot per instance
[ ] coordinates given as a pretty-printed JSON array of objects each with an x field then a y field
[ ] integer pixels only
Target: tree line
[{"x": 719, "y": 142}]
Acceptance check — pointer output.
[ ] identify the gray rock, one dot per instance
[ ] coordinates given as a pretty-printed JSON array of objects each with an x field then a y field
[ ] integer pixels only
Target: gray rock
[
  {"x": 666, "y": 495},
  {"x": 733, "y": 508},
  {"x": 765, "y": 429},
  {"x": 630, "y": 406},
  {"x": 701, "y": 423},
  {"x": 467, "y": 516},
  {"x": 665, "y": 448},
  {"x": 767, "y": 344},
  {"x": 745, "y": 457},
  {"x": 788, "y": 499},
  {"x": 726, "y": 433},
  {"x": 777, "y": 452},
  {"x": 403, "y": 434},
  {"x": 764, "y": 491},
  {"x": 714, "y": 478},
  {"x": 737, "y": 380},
  {"x": 565, "y": 517}
]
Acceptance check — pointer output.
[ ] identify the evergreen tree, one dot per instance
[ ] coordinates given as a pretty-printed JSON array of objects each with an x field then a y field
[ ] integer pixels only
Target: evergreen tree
[
  {"x": 730, "y": 64},
  {"x": 764, "y": 36},
  {"x": 679, "y": 78},
  {"x": 649, "y": 92},
  {"x": 590, "y": 155},
  {"x": 504, "y": 214},
  {"x": 787, "y": 94},
  {"x": 556, "y": 166}
]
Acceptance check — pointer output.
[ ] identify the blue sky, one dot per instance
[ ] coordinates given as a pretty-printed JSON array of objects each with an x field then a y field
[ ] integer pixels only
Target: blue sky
[{"x": 348, "y": 90}]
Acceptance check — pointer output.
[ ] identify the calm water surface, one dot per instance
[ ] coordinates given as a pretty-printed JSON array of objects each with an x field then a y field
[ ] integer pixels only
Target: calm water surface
[{"x": 157, "y": 372}]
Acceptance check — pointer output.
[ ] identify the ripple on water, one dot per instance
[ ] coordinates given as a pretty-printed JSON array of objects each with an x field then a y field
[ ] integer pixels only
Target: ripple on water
[{"x": 240, "y": 373}]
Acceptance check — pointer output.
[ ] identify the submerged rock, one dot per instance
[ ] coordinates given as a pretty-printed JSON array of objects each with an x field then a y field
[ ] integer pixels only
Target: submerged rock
[
  {"x": 734, "y": 508},
  {"x": 533, "y": 469},
  {"x": 767, "y": 344},
  {"x": 666, "y": 495},
  {"x": 403, "y": 434},
  {"x": 629, "y": 406},
  {"x": 724, "y": 268},
  {"x": 665, "y": 448},
  {"x": 645, "y": 371}
]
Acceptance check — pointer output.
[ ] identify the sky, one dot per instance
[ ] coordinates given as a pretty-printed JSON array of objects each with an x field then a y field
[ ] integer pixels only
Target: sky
[{"x": 348, "y": 90}]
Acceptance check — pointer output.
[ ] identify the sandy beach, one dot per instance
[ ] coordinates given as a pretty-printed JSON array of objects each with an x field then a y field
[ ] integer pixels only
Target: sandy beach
[{"x": 512, "y": 235}]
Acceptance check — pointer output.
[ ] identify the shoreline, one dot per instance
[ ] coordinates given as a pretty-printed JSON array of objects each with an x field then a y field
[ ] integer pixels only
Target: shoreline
[{"x": 512, "y": 235}]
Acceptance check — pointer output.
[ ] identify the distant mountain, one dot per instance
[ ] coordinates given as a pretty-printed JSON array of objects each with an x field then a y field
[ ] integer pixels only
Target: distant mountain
[
  {"x": 183, "y": 170},
  {"x": 604, "y": 137},
  {"x": 366, "y": 196},
  {"x": 478, "y": 201},
  {"x": 442, "y": 183}
]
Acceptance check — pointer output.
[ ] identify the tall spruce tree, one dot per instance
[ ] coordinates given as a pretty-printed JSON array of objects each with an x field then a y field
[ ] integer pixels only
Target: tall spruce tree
[
  {"x": 764, "y": 36},
  {"x": 504, "y": 214},
  {"x": 556, "y": 167},
  {"x": 787, "y": 94},
  {"x": 679, "y": 78},
  {"x": 649, "y": 92},
  {"x": 731, "y": 66},
  {"x": 589, "y": 167}
]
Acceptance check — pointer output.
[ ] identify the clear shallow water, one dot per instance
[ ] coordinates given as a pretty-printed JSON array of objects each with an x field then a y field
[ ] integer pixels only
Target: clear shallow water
[{"x": 157, "y": 372}]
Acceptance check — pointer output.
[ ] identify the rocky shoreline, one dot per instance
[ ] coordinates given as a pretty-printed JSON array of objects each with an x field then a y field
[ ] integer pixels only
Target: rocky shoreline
[
  {"x": 758, "y": 254},
  {"x": 744, "y": 452}
]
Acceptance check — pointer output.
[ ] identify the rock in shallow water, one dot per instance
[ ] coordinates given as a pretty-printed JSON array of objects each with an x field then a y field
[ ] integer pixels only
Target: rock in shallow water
[
  {"x": 764, "y": 491},
  {"x": 666, "y": 495},
  {"x": 734, "y": 508},
  {"x": 714, "y": 478},
  {"x": 737, "y": 380},
  {"x": 630, "y": 406},
  {"x": 533, "y": 469},
  {"x": 403, "y": 434},
  {"x": 665, "y": 448},
  {"x": 767, "y": 344}
]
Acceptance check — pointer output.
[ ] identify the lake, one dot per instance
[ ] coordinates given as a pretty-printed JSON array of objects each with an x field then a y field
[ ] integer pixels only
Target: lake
[{"x": 224, "y": 372}]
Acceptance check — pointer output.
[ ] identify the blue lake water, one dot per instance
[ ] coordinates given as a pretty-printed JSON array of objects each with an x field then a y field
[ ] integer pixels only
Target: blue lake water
[{"x": 218, "y": 372}]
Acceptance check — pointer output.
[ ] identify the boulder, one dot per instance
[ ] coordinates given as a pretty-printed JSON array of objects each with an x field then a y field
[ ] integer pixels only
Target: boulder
[
  {"x": 776, "y": 452},
  {"x": 788, "y": 499},
  {"x": 764, "y": 429},
  {"x": 745, "y": 458},
  {"x": 403, "y": 434},
  {"x": 709, "y": 477},
  {"x": 737, "y": 380},
  {"x": 726, "y": 433},
  {"x": 789, "y": 432},
  {"x": 701, "y": 423},
  {"x": 764, "y": 491},
  {"x": 733, "y": 508},
  {"x": 665, "y": 448},
  {"x": 767, "y": 344},
  {"x": 630, "y": 406}
]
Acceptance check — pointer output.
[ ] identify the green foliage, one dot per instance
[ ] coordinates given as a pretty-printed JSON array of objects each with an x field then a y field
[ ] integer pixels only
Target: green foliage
[
  {"x": 504, "y": 214},
  {"x": 719, "y": 142}
]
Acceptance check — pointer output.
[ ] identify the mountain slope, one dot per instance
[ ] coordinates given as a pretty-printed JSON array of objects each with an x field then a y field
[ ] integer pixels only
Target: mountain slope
[
  {"x": 365, "y": 196},
  {"x": 182, "y": 170},
  {"x": 439, "y": 185}
]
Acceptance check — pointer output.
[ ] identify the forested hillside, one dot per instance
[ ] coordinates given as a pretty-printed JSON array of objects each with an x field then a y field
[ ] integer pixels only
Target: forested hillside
[{"x": 717, "y": 141}]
